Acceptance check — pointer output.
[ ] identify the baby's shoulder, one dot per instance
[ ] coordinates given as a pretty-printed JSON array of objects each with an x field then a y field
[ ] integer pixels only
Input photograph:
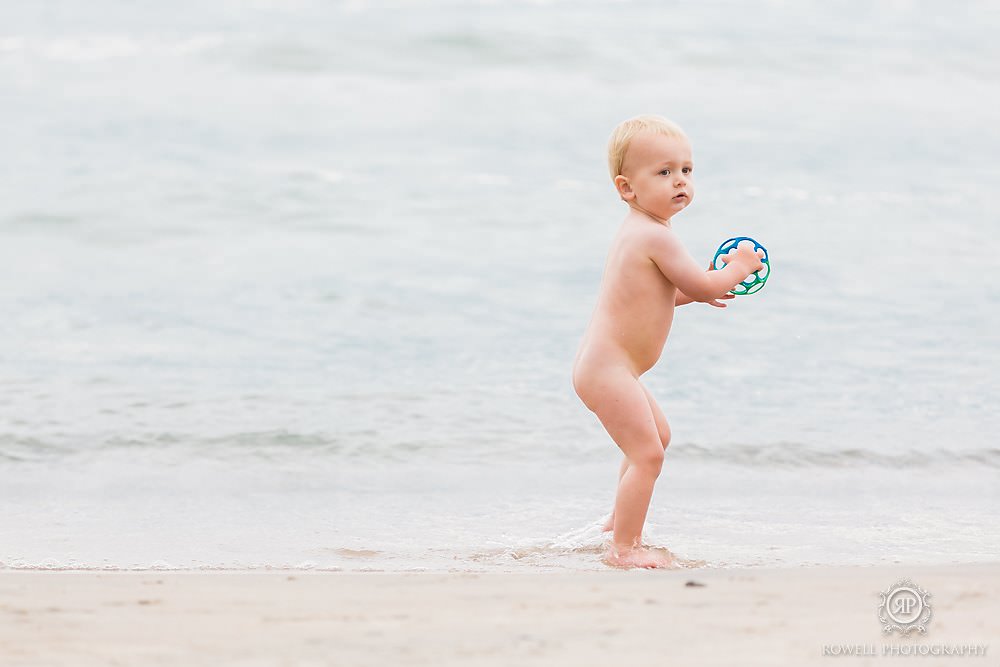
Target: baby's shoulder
[{"x": 645, "y": 237}]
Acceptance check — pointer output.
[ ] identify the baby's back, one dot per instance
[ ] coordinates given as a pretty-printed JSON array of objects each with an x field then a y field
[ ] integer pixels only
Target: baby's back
[{"x": 635, "y": 306}]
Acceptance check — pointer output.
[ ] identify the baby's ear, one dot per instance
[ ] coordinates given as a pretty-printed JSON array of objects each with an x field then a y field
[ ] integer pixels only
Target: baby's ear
[{"x": 623, "y": 187}]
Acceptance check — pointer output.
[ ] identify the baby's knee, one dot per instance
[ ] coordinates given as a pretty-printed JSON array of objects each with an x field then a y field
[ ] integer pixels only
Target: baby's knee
[{"x": 650, "y": 460}]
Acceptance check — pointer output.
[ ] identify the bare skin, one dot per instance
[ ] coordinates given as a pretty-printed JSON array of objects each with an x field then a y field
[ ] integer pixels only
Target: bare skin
[{"x": 648, "y": 272}]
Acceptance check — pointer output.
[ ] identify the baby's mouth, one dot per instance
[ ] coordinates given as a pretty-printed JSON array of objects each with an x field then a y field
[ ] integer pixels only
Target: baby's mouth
[{"x": 680, "y": 196}]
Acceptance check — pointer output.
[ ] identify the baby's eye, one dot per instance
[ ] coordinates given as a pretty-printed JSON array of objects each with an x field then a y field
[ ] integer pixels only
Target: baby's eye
[
  {"x": 688, "y": 170},
  {"x": 665, "y": 172}
]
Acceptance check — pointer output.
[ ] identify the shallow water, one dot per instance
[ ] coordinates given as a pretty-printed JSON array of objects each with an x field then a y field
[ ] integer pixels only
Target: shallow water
[{"x": 301, "y": 286}]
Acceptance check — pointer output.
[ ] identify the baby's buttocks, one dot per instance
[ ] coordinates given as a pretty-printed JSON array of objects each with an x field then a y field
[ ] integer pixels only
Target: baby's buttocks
[{"x": 595, "y": 370}]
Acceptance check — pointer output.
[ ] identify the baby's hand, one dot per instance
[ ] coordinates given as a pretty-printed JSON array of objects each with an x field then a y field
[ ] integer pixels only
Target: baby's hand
[
  {"x": 718, "y": 304},
  {"x": 743, "y": 255}
]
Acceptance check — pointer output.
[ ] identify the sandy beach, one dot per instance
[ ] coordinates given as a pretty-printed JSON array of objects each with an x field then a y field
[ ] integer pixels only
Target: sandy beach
[{"x": 683, "y": 617}]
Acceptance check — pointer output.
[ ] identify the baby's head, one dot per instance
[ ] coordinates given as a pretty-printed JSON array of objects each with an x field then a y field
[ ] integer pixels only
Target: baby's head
[{"x": 649, "y": 158}]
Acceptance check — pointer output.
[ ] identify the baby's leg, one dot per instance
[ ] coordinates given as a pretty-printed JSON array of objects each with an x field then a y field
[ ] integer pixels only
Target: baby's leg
[
  {"x": 621, "y": 404},
  {"x": 662, "y": 428}
]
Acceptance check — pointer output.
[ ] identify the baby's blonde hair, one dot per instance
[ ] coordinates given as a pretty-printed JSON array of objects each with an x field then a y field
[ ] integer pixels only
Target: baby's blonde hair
[{"x": 623, "y": 134}]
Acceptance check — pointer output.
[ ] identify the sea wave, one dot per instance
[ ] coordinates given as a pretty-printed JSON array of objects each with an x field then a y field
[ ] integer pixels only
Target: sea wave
[
  {"x": 798, "y": 455},
  {"x": 373, "y": 447}
]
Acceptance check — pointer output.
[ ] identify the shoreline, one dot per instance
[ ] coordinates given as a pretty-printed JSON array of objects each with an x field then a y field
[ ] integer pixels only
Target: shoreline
[
  {"x": 514, "y": 570},
  {"x": 703, "y": 616}
]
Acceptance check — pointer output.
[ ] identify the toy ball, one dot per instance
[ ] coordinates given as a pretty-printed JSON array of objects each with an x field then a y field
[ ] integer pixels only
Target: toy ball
[{"x": 755, "y": 281}]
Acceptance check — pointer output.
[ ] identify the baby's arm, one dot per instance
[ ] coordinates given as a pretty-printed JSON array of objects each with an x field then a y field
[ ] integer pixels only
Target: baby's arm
[
  {"x": 683, "y": 299},
  {"x": 676, "y": 263}
]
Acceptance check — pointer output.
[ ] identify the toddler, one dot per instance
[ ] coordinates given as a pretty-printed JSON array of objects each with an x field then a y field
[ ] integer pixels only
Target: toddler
[{"x": 648, "y": 272}]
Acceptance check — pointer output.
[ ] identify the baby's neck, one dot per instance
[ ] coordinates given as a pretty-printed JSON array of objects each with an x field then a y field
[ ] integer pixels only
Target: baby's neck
[{"x": 646, "y": 216}]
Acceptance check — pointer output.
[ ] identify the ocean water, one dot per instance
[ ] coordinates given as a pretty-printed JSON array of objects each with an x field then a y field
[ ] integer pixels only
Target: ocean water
[{"x": 299, "y": 284}]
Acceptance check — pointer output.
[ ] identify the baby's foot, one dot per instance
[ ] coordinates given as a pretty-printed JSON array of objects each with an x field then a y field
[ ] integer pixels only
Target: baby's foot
[
  {"x": 609, "y": 524},
  {"x": 625, "y": 557}
]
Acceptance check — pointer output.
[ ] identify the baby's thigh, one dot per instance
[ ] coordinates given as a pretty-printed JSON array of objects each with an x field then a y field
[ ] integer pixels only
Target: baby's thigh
[
  {"x": 662, "y": 427},
  {"x": 619, "y": 401}
]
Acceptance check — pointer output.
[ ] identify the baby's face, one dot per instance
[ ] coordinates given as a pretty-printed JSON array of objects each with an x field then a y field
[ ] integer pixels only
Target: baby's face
[{"x": 657, "y": 175}]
